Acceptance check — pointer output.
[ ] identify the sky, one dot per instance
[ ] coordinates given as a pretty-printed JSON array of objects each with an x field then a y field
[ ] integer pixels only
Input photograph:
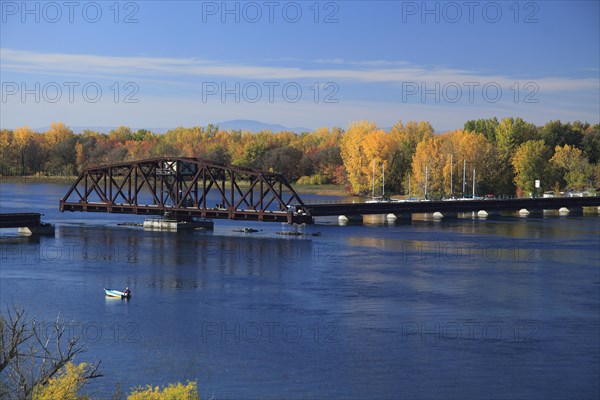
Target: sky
[{"x": 151, "y": 64}]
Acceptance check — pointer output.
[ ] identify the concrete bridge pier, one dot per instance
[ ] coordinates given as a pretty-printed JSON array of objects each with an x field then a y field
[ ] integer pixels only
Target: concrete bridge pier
[
  {"x": 344, "y": 219},
  {"x": 531, "y": 212},
  {"x": 572, "y": 211},
  {"x": 42, "y": 229},
  {"x": 488, "y": 213},
  {"x": 399, "y": 216},
  {"x": 445, "y": 215}
]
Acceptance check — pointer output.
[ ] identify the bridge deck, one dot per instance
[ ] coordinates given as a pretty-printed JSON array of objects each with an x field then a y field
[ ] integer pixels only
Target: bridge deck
[
  {"x": 318, "y": 210},
  {"x": 188, "y": 212},
  {"x": 20, "y": 220}
]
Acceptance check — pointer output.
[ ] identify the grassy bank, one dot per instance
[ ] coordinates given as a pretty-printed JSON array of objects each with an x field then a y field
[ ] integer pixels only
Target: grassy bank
[
  {"x": 324, "y": 190},
  {"x": 37, "y": 179}
]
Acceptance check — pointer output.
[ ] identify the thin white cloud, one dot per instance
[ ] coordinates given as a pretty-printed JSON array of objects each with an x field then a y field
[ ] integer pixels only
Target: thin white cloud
[{"x": 369, "y": 71}]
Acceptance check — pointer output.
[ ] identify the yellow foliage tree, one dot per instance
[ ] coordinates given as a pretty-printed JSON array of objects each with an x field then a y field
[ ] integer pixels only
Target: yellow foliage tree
[
  {"x": 171, "y": 392},
  {"x": 57, "y": 133},
  {"x": 65, "y": 385},
  {"x": 362, "y": 146},
  {"x": 405, "y": 138},
  {"x": 22, "y": 137},
  {"x": 444, "y": 157},
  {"x": 427, "y": 168}
]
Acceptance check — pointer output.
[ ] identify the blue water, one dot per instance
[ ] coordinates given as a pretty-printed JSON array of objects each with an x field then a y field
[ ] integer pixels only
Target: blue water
[{"x": 501, "y": 308}]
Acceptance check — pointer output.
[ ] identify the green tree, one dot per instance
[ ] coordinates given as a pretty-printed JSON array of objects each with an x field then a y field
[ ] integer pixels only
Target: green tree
[
  {"x": 141, "y": 135},
  {"x": 218, "y": 154},
  {"x": 253, "y": 155},
  {"x": 511, "y": 133},
  {"x": 572, "y": 166},
  {"x": 284, "y": 160},
  {"x": 531, "y": 163},
  {"x": 590, "y": 144},
  {"x": 555, "y": 133},
  {"x": 485, "y": 126}
]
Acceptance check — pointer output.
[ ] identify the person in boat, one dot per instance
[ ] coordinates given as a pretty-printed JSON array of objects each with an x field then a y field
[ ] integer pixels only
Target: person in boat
[{"x": 127, "y": 292}]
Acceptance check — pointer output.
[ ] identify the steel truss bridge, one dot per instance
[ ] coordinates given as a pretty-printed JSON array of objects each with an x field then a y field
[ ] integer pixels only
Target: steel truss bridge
[{"x": 185, "y": 188}]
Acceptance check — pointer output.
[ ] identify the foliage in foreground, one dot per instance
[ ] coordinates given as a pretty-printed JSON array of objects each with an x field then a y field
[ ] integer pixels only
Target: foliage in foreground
[
  {"x": 171, "y": 392},
  {"x": 65, "y": 385},
  {"x": 36, "y": 362},
  {"x": 33, "y": 356}
]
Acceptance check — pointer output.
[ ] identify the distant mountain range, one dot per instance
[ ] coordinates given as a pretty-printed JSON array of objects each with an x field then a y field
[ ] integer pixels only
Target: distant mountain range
[{"x": 237, "y": 124}]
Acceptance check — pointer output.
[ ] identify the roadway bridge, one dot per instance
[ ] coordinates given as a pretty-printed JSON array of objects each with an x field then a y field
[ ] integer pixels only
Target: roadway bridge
[
  {"x": 185, "y": 188},
  {"x": 28, "y": 223}
]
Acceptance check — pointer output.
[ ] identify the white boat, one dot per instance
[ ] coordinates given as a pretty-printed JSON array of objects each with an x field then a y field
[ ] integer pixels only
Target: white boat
[{"x": 116, "y": 293}]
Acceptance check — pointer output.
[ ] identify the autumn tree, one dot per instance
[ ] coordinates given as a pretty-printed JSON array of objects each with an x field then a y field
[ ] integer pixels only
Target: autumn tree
[
  {"x": 61, "y": 149},
  {"x": 22, "y": 138},
  {"x": 364, "y": 146},
  {"x": 6, "y": 151},
  {"x": 121, "y": 134},
  {"x": 441, "y": 160},
  {"x": 405, "y": 139},
  {"x": 58, "y": 132},
  {"x": 427, "y": 168}
]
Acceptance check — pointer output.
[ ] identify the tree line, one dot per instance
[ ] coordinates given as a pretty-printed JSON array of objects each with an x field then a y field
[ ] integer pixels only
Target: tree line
[{"x": 506, "y": 156}]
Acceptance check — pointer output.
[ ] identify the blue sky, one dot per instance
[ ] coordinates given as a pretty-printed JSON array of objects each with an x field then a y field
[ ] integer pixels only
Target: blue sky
[{"x": 304, "y": 63}]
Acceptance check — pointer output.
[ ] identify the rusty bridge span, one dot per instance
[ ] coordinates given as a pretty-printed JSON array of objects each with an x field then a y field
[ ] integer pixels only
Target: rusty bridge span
[{"x": 186, "y": 188}]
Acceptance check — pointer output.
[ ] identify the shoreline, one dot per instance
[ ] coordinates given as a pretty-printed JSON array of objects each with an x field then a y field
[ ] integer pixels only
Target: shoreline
[{"x": 324, "y": 190}]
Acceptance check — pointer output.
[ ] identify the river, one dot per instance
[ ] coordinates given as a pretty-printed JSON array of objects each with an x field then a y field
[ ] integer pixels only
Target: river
[{"x": 497, "y": 308}]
